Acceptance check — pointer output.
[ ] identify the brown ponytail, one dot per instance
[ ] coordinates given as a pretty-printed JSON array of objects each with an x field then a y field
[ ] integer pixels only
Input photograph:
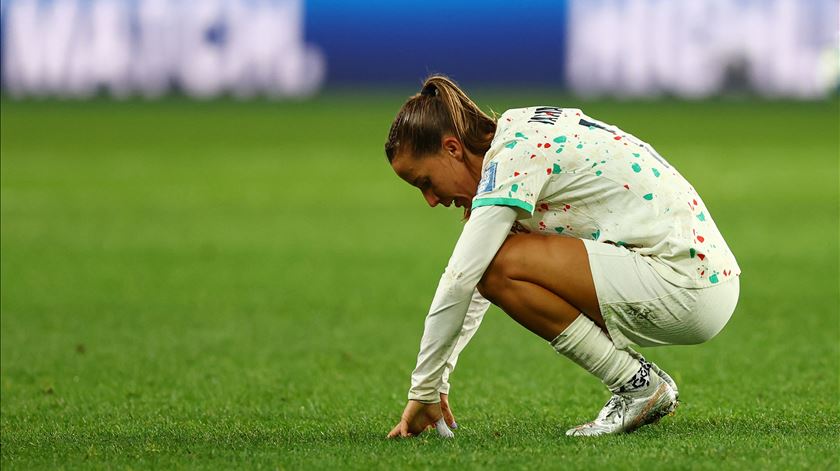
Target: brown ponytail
[{"x": 440, "y": 107}]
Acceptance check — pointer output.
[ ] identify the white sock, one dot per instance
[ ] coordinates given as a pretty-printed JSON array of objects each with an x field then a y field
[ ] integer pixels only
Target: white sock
[{"x": 584, "y": 343}]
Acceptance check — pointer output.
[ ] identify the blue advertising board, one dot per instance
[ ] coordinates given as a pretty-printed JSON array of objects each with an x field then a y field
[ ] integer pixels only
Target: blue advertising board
[{"x": 488, "y": 41}]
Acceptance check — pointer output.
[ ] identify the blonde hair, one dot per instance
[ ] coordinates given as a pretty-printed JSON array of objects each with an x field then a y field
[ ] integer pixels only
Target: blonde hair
[{"x": 440, "y": 107}]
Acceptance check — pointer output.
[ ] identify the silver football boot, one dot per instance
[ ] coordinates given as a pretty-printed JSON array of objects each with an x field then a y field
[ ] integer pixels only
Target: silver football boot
[{"x": 627, "y": 411}]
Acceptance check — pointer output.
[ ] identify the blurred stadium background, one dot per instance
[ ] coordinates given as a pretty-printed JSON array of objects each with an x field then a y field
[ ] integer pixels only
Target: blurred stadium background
[
  {"x": 292, "y": 48},
  {"x": 206, "y": 261}
]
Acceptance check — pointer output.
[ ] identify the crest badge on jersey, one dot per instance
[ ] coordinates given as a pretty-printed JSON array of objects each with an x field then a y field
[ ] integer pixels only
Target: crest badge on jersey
[{"x": 488, "y": 179}]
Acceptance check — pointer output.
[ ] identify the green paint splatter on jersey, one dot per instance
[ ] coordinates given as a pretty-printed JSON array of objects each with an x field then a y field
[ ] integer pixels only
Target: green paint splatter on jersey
[
  {"x": 514, "y": 187},
  {"x": 692, "y": 253},
  {"x": 598, "y": 173},
  {"x": 655, "y": 172},
  {"x": 511, "y": 144},
  {"x": 701, "y": 217},
  {"x": 579, "y": 146},
  {"x": 714, "y": 278},
  {"x": 520, "y": 135},
  {"x": 596, "y": 234},
  {"x": 635, "y": 155},
  {"x": 555, "y": 168},
  {"x": 636, "y": 167},
  {"x": 560, "y": 139},
  {"x": 648, "y": 196},
  {"x": 559, "y": 230}
]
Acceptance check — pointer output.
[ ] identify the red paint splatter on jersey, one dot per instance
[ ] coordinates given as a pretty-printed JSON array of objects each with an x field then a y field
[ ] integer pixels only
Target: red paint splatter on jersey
[
  {"x": 617, "y": 138},
  {"x": 695, "y": 202},
  {"x": 539, "y": 145},
  {"x": 701, "y": 256},
  {"x": 544, "y": 207},
  {"x": 626, "y": 186},
  {"x": 546, "y": 145},
  {"x": 700, "y": 238},
  {"x": 533, "y": 155},
  {"x": 548, "y": 171},
  {"x": 515, "y": 174}
]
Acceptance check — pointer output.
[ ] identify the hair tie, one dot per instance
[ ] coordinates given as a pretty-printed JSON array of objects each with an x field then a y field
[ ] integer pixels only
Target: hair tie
[{"x": 429, "y": 89}]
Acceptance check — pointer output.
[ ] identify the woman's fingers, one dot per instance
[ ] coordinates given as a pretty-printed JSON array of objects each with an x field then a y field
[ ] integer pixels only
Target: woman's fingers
[
  {"x": 449, "y": 418},
  {"x": 397, "y": 431},
  {"x": 447, "y": 412},
  {"x": 400, "y": 430}
]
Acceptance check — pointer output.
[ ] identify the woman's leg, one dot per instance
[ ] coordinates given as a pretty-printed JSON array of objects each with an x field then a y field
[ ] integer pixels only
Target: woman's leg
[{"x": 543, "y": 282}]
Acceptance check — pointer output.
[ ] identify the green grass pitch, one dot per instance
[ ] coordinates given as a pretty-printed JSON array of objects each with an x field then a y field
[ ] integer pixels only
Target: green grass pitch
[{"x": 243, "y": 285}]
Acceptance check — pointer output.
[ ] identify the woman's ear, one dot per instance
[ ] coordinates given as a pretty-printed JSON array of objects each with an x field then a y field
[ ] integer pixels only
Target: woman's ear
[{"x": 452, "y": 146}]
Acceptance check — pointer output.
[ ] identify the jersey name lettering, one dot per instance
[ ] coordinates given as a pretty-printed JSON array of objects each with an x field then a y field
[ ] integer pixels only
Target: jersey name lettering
[{"x": 546, "y": 115}]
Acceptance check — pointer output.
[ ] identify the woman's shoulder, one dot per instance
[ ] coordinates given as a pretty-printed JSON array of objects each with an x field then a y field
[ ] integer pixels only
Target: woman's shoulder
[
  {"x": 530, "y": 126},
  {"x": 536, "y": 119}
]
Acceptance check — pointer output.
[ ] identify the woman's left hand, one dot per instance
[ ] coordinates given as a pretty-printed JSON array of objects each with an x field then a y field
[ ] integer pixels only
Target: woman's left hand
[{"x": 416, "y": 418}]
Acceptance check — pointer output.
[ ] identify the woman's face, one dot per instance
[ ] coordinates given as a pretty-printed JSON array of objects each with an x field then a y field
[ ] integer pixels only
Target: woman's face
[{"x": 447, "y": 177}]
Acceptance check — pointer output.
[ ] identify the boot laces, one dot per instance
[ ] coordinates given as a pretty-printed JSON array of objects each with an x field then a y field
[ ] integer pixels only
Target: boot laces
[{"x": 614, "y": 408}]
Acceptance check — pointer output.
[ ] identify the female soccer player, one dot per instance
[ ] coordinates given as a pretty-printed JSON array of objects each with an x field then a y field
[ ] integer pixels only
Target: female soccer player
[{"x": 579, "y": 231}]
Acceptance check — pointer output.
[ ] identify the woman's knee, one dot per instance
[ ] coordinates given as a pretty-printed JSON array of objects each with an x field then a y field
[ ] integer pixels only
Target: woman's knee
[
  {"x": 490, "y": 285},
  {"x": 501, "y": 268}
]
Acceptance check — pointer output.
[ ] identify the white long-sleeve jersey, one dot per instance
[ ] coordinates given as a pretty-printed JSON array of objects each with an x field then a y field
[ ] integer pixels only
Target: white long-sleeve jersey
[{"x": 457, "y": 308}]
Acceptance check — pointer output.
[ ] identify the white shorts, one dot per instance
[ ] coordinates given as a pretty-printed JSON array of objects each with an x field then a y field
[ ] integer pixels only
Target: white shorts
[{"x": 640, "y": 307}]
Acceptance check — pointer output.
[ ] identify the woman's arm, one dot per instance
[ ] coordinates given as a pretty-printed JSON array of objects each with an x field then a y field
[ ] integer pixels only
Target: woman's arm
[
  {"x": 475, "y": 314},
  {"x": 483, "y": 235}
]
